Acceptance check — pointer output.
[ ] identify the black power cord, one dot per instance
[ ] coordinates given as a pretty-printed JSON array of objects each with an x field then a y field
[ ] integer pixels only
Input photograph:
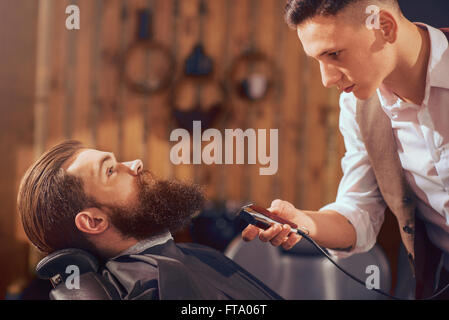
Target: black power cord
[
  {"x": 301, "y": 233},
  {"x": 263, "y": 219},
  {"x": 340, "y": 268}
]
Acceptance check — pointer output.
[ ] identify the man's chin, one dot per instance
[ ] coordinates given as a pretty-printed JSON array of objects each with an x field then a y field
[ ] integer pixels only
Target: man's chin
[{"x": 166, "y": 205}]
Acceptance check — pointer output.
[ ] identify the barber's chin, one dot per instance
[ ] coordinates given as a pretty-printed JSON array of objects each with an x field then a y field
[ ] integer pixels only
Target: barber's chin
[{"x": 363, "y": 94}]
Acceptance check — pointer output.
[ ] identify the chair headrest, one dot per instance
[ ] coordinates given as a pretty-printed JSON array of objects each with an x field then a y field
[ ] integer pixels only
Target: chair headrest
[{"x": 57, "y": 262}]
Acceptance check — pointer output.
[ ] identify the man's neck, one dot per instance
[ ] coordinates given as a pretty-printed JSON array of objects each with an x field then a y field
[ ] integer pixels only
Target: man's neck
[
  {"x": 114, "y": 246},
  {"x": 408, "y": 80}
]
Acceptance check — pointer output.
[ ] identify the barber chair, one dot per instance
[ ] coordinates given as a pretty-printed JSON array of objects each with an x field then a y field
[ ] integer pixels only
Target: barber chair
[
  {"x": 58, "y": 268},
  {"x": 303, "y": 273}
]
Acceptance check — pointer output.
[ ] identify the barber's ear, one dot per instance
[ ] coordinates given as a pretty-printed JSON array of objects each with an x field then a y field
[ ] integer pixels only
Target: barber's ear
[
  {"x": 92, "y": 221},
  {"x": 388, "y": 26}
]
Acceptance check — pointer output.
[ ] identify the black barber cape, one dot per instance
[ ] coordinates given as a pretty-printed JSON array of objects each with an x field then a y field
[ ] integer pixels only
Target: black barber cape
[{"x": 186, "y": 271}]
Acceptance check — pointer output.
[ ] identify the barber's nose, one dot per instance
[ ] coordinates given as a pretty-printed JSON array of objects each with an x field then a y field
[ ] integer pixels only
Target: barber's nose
[
  {"x": 135, "y": 166},
  {"x": 330, "y": 76}
]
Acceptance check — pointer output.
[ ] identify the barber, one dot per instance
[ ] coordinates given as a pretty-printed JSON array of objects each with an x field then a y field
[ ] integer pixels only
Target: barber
[{"x": 394, "y": 118}]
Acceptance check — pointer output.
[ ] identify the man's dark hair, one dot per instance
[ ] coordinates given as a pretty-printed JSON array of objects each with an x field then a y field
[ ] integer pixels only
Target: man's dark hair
[
  {"x": 49, "y": 199},
  {"x": 298, "y": 11}
]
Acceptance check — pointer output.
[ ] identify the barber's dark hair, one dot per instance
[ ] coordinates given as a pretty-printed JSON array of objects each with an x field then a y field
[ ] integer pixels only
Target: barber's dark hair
[
  {"x": 49, "y": 199},
  {"x": 298, "y": 11}
]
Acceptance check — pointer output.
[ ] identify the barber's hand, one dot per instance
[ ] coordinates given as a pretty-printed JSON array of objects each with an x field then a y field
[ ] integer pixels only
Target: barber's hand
[{"x": 277, "y": 234}]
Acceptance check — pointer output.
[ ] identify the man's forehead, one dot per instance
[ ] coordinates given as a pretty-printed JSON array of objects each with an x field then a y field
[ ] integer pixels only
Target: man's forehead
[{"x": 84, "y": 161}]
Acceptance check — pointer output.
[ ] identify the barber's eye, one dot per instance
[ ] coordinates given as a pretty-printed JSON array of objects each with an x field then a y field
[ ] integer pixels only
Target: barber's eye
[{"x": 335, "y": 54}]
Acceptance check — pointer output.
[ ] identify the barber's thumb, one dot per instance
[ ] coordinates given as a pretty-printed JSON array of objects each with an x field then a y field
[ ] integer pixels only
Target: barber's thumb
[{"x": 283, "y": 209}]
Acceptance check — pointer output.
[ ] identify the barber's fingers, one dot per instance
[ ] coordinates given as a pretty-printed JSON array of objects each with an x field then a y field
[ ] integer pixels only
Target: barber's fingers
[
  {"x": 276, "y": 234},
  {"x": 291, "y": 241},
  {"x": 250, "y": 233},
  {"x": 281, "y": 236},
  {"x": 270, "y": 233}
]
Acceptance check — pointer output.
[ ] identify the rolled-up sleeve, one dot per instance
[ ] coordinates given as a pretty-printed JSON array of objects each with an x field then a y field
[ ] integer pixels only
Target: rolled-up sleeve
[{"x": 358, "y": 197}]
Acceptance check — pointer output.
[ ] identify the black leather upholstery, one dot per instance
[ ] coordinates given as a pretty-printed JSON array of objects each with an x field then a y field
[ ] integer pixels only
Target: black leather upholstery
[{"x": 92, "y": 286}]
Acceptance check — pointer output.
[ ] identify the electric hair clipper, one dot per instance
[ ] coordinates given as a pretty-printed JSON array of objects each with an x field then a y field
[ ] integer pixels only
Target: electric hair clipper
[{"x": 262, "y": 218}]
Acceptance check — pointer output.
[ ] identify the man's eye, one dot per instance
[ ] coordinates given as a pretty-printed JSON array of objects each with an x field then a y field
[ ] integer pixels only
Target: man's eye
[{"x": 110, "y": 171}]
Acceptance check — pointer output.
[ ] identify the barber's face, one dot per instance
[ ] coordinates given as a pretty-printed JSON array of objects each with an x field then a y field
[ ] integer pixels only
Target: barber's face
[{"x": 351, "y": 56}]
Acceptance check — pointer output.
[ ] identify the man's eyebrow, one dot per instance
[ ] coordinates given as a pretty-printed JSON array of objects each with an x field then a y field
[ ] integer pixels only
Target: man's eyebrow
[{"x": 102, "y": 161}]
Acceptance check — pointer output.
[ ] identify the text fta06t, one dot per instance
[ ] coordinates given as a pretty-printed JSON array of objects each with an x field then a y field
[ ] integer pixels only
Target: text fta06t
[{"x": 236, "y": 309}]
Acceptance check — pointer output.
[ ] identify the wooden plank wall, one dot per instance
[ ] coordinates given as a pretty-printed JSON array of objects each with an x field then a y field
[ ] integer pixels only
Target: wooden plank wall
[
  {"x": 74, "y": 78},
  {"x": 89, "y": 101},
  {"x": 17, "y": 92}
]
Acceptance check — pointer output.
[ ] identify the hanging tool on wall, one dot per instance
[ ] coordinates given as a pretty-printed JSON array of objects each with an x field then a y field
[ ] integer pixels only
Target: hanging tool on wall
[
  {"x": 208, "y": 115},
  {"x": 198, "y": 64},
  {"x": 198, "y": 77},
  {"x": 162, "y": 70},
  {"x": 252, "y": 74}
]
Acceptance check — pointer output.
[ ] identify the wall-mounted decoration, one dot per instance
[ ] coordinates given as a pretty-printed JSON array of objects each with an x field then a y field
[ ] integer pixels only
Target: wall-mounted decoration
[{"x": 163, "y": 63}]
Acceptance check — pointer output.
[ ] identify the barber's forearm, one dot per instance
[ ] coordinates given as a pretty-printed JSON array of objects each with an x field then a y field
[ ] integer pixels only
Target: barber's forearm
[{"x": 330, "y": 229}]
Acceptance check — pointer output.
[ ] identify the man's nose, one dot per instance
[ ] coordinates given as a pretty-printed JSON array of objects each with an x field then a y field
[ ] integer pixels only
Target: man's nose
[
  {"x": 135, "y": 166},
  {"x": 330, "y": 76}
]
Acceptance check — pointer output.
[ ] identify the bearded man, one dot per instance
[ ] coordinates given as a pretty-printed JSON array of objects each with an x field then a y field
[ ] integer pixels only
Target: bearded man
[{"x": 76, "y": 197}]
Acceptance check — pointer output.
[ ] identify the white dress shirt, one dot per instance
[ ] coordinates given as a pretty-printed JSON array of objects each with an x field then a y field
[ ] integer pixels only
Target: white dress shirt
[{"x": 422, "y": 136}]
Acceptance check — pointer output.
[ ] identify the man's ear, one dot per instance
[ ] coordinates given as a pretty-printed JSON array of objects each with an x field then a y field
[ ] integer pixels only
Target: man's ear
[
  {"x": 92, "y": 221},
  {"x": 388, "y": 26}
]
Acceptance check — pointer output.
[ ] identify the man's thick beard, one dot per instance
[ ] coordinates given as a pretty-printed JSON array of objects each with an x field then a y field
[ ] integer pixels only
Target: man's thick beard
[{"x": 162, "y": 206}]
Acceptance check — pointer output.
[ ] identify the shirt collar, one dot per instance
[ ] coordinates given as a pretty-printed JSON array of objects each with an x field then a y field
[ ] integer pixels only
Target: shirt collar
[
  {"x": 437, "y": 73},
  {"x": 438, "y": 69},
  {"x": 147, "y": 243}
]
